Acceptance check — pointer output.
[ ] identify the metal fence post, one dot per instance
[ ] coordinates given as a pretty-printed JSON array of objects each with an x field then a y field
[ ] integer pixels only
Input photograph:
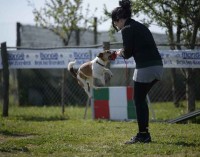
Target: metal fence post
[
  {"x": 4, "y": 56},
  {"x": 106, "y": 45},
  {"x": 95, "y": 31},
  {"x": 63, "y": 92}
]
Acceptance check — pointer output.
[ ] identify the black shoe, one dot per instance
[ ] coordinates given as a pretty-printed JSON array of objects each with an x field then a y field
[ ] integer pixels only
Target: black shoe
[{"x": 140, "y": 137}]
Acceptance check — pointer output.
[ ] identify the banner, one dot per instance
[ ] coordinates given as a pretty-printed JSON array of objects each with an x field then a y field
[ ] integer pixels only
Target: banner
[
  {"x": 59, "y": 58},
  {"x": 170, "y": 58},
  {"x": 181, "y": 59}
]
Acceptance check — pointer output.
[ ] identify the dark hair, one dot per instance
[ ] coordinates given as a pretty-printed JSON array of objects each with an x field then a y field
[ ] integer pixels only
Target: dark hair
[{"x": 123, "y": 11}]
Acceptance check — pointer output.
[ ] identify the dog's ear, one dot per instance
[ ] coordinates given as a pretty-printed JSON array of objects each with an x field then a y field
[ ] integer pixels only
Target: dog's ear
[
  {"x": 107, "y": 51},
  {"x": 100, "y": 55}
]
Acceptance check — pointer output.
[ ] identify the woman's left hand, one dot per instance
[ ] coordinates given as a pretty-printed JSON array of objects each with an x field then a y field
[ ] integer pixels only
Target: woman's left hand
[{"x": 118, "y": 53}]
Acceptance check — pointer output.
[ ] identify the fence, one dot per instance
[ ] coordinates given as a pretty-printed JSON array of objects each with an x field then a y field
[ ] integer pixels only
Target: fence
[{"x": 55, "y": 86}]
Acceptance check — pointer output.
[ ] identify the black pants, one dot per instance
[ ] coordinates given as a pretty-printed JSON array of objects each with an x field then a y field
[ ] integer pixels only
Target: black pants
[{"x": 140, "y": 92}]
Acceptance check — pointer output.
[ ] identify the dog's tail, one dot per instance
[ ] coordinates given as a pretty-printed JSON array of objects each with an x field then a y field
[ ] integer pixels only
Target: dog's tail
[{"x": 71, "y": 69}]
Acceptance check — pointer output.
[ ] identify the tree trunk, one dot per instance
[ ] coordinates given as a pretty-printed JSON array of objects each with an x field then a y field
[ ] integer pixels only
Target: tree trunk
[
  {"x": 5, "y": 70},
  {"x": 173, "y": 71},
  {"x": 190, "y": 90},
  {"x": 174, "y": 88}
]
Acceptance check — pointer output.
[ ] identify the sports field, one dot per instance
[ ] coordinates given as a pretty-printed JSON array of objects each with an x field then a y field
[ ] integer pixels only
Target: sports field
[{"x": 43, "y": 131}]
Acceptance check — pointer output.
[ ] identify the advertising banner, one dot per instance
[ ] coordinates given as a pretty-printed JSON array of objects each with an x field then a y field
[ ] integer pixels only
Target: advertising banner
[
  {"x": 59, "y": 58},
  {"x": 170, "y": 58}
]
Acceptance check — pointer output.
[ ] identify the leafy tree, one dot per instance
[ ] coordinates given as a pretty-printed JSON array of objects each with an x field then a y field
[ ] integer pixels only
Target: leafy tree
[
  {"x": 184, "y": 16},
  {"x": 189, "y": 23},
  {"x": 63, "y": 17},
  {"x": 181, "y": 18}
]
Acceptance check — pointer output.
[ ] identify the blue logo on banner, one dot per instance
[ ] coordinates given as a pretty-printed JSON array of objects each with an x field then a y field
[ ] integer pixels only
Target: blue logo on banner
[
  {"x": 49, "y": 56},
  {"x": 81, "y": 55},
  {"x": 16, "y": 56},
  {"x": 191, "y": 55}
]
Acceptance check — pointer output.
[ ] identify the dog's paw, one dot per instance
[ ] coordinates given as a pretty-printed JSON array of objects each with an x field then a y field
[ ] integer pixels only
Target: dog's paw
[
  {"x": 108, "y": 77},
  {"x": 90, "y": 97},
  {"x": 111, "y": 75}
]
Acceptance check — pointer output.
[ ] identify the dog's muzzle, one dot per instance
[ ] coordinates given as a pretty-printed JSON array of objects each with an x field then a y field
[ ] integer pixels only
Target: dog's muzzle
[{"x": 113, "y": 56}]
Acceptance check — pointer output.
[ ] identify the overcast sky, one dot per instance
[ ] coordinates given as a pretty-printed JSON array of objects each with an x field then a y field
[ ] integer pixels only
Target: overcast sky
[{"x": 13, "y": 11}]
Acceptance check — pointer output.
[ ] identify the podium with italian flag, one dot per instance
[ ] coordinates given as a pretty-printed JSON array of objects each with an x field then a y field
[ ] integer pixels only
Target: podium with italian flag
[{"x": 113, "y": 103}]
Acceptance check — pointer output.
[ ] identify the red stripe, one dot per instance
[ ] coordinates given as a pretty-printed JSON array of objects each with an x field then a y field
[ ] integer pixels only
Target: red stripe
[
  {"x": 130, "y": 93},
  {"x": 101, "y": 109}
]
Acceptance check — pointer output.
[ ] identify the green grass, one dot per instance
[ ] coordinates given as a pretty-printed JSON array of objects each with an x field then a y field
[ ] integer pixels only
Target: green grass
[{"x": 44, "y": 131}]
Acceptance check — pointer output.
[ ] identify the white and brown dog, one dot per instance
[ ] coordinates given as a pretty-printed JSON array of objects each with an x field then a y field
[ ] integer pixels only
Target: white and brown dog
[{"x": 91, "y": 70}]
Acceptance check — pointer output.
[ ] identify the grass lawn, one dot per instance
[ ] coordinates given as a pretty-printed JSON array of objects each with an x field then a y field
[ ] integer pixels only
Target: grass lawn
[{"x": 43, "y": 131}]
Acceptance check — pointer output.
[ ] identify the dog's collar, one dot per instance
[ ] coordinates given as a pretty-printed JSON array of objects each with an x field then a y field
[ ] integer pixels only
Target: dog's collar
[{"x": 100, "y": 64}]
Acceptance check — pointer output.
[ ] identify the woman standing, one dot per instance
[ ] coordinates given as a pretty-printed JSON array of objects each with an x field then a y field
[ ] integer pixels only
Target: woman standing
[{"x": 138, "y": 43}]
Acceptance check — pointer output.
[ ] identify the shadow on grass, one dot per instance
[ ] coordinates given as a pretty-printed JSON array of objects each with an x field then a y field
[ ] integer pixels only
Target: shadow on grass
[
  {"x": 14, "y": 149},
  {"x": 180, "y": 143},
  {"x": 13, "y": 134},
  {"x": 185, "y": 144},
  {"x": 41, "y": 118}
]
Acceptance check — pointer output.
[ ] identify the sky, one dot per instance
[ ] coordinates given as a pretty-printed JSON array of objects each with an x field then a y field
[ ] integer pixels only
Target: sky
[{"x": 13, "y": 11}]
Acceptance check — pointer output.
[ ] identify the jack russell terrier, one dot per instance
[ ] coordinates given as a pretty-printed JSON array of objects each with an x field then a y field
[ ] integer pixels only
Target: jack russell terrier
[{"x": 91, "y": 70}]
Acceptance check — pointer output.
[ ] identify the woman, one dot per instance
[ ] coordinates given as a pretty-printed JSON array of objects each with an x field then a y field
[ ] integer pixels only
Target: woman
[{"x": 138, "y": 43}]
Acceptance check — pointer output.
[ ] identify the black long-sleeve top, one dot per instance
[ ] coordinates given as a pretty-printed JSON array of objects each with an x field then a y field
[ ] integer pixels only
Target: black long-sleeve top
[{"x": 138, "y": 42}]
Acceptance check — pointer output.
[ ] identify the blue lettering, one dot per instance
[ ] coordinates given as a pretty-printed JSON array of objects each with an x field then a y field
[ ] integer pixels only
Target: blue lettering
[
  {"x": 188, "y": 62},
  {"x": 48, "y": 56},
  {"x": 190, "y": 55},
  {"x": 21, "y": 63},
  {"x": 196, "y": 62},
  {"x": 182, "y": 62},
  {"x": 16, "y": 56},
  {"x": 167, "y": 61},
  {"x": 81, "y": 55}
]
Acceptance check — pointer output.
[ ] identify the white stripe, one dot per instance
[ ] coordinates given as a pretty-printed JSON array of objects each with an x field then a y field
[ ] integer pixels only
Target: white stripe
[{"x": 118, "y": 103}]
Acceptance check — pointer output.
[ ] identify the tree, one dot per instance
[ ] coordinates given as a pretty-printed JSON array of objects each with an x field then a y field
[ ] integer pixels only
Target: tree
[
  {"x": 189, "y": 25},
  {"x": 63, "y": 17},
  {"x": 184, "y": 16}
]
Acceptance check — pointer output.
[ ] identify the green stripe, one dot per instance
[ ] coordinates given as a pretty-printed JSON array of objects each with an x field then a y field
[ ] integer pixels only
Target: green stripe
[
  {"x": 131, "y": 110},
  {"x": 101, "y": 93}
]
